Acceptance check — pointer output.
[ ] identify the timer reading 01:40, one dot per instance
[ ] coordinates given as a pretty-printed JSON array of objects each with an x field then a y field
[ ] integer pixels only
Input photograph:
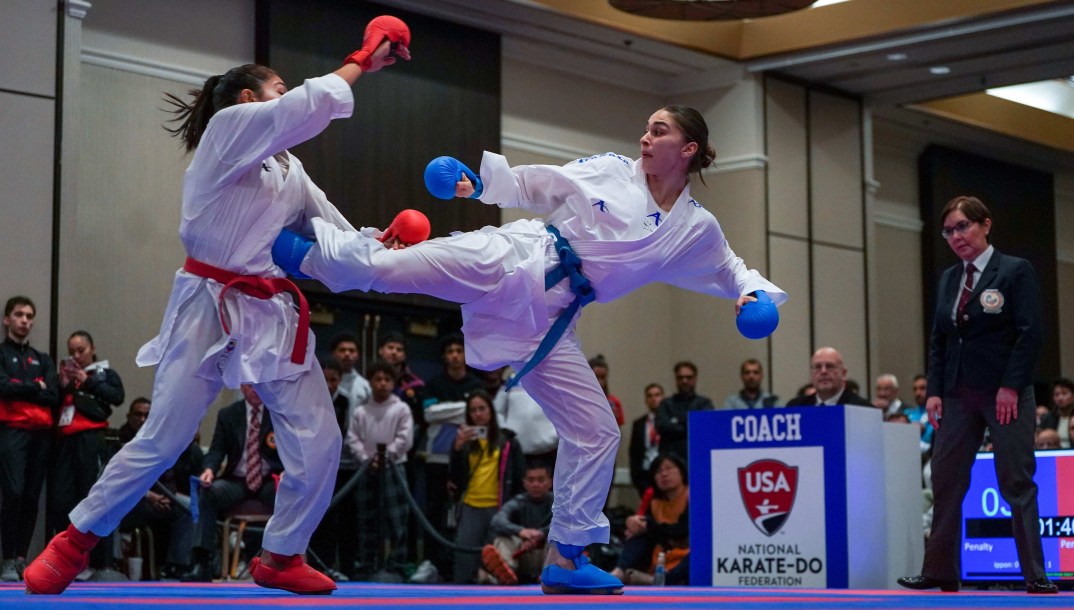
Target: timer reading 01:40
[{"x": 1057, "y": 527}]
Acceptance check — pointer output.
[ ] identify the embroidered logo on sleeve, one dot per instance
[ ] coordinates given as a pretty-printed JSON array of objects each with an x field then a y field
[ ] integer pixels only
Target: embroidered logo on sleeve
[{"x": 600, "y": 204}]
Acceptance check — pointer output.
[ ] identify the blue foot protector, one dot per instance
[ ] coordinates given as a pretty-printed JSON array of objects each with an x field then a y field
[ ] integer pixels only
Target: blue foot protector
[{"x": 584, "y": 578}]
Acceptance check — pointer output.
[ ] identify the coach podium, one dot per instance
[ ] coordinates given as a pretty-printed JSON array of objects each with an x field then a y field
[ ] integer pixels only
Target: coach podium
[{"x": 806, "y": 497}]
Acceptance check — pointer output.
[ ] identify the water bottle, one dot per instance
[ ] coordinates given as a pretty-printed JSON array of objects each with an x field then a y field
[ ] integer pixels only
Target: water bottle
[{"x": 660, "y": 575}]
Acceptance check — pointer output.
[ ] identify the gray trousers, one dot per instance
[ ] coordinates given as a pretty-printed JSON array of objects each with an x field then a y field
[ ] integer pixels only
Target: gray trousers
[
  {"x": 473, "y": 532},
  {"x": 961, "y": 431}
]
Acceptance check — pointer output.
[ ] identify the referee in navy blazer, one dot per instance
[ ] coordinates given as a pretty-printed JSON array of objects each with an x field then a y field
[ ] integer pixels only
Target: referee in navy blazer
[{"x": 986, "y": 340}]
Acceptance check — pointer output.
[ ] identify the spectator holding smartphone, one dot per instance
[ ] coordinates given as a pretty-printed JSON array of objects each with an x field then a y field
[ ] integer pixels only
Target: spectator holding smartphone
[
  {"x": 89, "y": 390},
  {"x": 485, "y": 472}
]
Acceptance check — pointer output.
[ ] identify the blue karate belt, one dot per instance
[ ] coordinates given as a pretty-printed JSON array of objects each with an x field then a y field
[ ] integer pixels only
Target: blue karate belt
[{"x": 570, "y": 267}]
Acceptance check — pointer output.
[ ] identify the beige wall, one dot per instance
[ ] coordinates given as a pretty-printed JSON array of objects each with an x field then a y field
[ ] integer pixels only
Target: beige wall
[
  {"x": 899, "y": 304},
  {"x": 816, "y": 206},
  {"x": 27, "y": 156},
  {"x": 896, "y": 256}
]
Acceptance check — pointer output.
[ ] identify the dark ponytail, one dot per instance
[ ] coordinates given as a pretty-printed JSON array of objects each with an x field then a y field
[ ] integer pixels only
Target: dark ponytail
[{"x": 217, "y": 93}]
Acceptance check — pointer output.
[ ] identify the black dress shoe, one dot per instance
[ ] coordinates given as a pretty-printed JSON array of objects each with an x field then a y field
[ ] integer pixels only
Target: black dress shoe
[
  {"x": 1041, "y": 586},
  {"x": 198, "y": 572},
  {"x": 921, "y": 583}
]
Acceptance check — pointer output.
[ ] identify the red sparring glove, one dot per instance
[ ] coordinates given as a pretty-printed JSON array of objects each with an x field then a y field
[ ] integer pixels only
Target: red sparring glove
[
  {"x": 378, "y": 29},
  {"x": 410, "y": 227}
]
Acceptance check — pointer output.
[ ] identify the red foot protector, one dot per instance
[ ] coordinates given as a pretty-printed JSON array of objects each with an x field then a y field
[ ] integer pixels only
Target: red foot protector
[
  {"x": 296, "y": 576},
  {"x": 496, "y": 566},
  {"x": 63, "y": 559}
]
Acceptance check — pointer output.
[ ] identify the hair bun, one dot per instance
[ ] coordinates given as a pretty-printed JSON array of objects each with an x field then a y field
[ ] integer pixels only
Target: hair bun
[{"x": 708, "y": 157}]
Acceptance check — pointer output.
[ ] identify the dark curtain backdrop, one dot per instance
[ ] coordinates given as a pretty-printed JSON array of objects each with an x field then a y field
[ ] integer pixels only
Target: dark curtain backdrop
[
  {"x": 446, "y": 101},
  {"x": 1022, "y": 202}
]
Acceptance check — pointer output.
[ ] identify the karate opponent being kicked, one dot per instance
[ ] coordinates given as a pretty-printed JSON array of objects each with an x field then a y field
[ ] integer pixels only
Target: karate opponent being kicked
[
  {"x": 613, "y": 225},
  {"x": 230, "y": 319}
]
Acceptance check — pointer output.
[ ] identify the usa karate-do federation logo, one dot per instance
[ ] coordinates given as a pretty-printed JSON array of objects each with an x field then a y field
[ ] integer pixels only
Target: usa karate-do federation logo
[{"x": 768, "y": 488}]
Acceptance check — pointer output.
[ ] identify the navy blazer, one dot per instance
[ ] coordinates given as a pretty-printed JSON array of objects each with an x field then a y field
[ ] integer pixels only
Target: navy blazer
[
  {"x": 999, "y": 341},
  {"x": 639, "y": 475},
  {"x": 848, "y": 398},
  {"x": 229, "y": 437}
]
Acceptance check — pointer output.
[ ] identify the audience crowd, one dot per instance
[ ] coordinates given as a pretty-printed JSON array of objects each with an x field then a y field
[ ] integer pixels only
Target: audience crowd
[{"x": 475, "y": 459}]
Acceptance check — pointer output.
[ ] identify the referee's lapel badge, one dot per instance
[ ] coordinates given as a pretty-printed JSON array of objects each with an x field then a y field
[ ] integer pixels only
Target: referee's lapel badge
[{"x": 992, "y": 300}]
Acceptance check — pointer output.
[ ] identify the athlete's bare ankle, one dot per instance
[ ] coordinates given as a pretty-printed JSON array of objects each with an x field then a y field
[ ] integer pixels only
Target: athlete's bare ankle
[{"x": 274, "y": 560}]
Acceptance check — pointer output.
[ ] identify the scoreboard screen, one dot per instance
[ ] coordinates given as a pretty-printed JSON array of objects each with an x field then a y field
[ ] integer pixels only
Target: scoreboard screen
[{"x": 988, "y": 550}]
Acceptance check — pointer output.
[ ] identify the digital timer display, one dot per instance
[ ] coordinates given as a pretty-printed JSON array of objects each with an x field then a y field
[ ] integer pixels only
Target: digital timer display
[{"x": 988, "y": 549}]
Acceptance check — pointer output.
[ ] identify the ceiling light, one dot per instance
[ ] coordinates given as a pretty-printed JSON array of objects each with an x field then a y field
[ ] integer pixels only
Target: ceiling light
[
  {"x": 708, "y": 10},
  {"x": 940, "y": 70},
  {"x": 1055, "y": 96},
  {"x": 896, "y": 56}
]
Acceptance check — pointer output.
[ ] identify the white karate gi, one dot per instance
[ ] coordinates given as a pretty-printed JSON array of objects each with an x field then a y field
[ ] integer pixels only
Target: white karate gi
[
  {"x": 599, "y": 204},
  {"x": 236, "y": 199}
]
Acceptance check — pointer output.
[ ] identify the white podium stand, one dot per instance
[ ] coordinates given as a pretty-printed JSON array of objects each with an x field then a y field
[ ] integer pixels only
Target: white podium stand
[{"x": 813, "y": 497}]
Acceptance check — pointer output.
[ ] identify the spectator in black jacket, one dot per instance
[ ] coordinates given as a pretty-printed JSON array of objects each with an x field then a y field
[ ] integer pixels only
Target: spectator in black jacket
[
  {"x": 335, "y": 539},
  {"x": 89, "y": 389},
  {"x": 829, "y": 376},
  {"x": 645, "y": 440},
  {"x": 171, "y": 524},
  {"x": 245, "y": 474},
  {"x": 672, "y": 415},
  {"x": 29, "y": 392},
  {"x": 432, "y": 441}
]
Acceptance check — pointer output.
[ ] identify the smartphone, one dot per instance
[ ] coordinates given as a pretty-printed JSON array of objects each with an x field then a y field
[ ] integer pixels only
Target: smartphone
[{"x": 481, "y": 432}]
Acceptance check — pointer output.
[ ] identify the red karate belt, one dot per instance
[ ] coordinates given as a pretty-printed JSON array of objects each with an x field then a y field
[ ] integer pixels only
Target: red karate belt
[{"x": 259, "y": 288}]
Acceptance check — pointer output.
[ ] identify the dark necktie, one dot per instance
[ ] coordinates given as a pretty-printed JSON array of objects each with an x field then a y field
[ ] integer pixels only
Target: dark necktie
[
  {"x": 253, "y": 449},
  {"x": 967, "y": 290}
]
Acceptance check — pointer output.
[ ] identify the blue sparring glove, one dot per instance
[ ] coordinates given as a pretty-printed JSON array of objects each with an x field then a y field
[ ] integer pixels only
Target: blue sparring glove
[
  {"x": 442, "y": 174},
  {"x": 758, "y": 319},
  {"x": 288, "y": 251}
]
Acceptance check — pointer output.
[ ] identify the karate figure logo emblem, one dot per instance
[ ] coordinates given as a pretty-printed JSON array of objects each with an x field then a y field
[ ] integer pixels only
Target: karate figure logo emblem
[{"x": 768, "y": 488}]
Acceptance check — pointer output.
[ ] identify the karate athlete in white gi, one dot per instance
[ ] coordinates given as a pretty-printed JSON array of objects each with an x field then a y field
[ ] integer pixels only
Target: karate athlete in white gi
[
  {"x": 228, "y": 320},
  {"x": 631, "y": 222}
]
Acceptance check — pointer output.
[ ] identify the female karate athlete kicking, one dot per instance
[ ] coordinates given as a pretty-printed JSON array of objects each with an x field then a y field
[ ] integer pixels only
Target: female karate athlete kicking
[
  {"x": 229, "y": 321},
  {"x": 612, "y": 225}
]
